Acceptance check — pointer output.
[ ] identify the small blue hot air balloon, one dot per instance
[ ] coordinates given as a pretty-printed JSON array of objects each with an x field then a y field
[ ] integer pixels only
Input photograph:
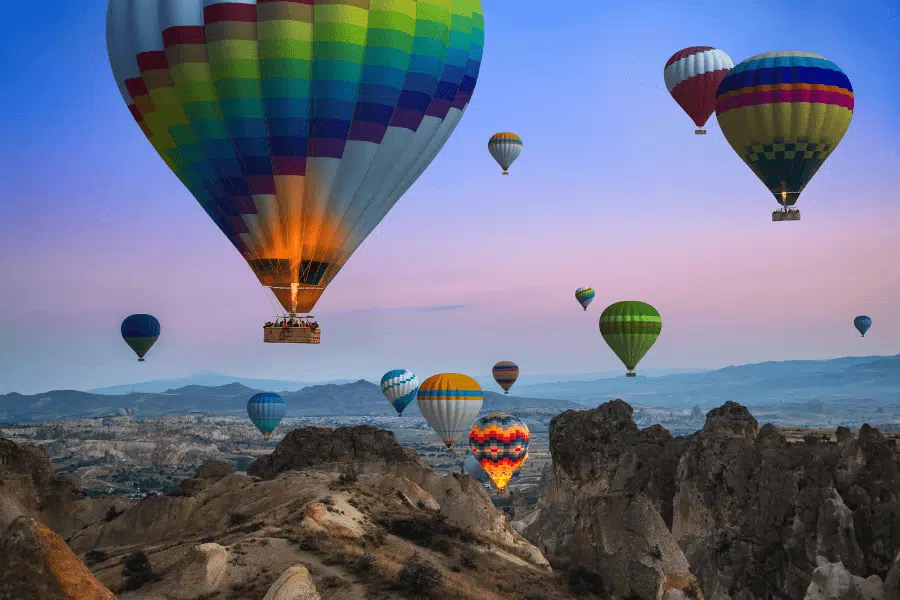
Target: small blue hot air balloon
[
  {"x": 399, "y": 387},
  {"x": 862, "y": 324},
  {"x": 140, "y": 332},
  {"x": 266, "y": 410}
]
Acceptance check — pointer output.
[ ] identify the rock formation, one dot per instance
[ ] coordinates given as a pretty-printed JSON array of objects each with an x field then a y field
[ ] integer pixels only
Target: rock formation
[
  {"x": 35, "y": 564},
  {"x": 750, "y": 511}
]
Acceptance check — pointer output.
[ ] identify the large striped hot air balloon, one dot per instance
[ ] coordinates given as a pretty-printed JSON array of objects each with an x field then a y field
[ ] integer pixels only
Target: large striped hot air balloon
[
  {"x": 266, "y": 410},
  {"x": 450, "y": 402},
  {"x": 584, "y": 295},
  {"x": 140, "y": 332},
  {"x": 692, "y": 76},
  {"x": 505, "y": 374},
  {"x": 296, "y": 125},
  {"x": 505, "y": 147},
  {"x": 399, "y": 387},
  {"x": 862, "y": 324},
  {"x": 784, "y": 113},
  {"x": 500, "y": 443},
  {"x": 630, "y": 328}
]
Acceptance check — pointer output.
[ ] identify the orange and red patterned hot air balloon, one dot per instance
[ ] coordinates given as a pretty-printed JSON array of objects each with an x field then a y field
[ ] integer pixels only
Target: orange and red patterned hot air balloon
[
  {"x": 693, "y": 75},
  {"x": 500, "y": 443}
]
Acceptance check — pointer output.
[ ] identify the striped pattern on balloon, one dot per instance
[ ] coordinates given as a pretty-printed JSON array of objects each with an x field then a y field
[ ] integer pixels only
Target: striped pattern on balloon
[
  {"x": 505, "y": 374},
  {"x": 266, "y": 410},
  {"x": 450, "y": 402},
  {"x": 505, "y": 147},
  {"x": 399, "y": 387},
  {"x": 584, "y": 295},
  {"x": 630, "y": 328},
  {"x": 296, "y": 154},
  {"x": 784, "y": 113},
  {"x": 692, "y": 76}
]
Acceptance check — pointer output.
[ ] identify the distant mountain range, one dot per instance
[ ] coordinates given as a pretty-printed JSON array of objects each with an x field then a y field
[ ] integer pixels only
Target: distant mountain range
[
  {"x": 874, "y": 379},
  {"x": 871, "y": 380},
  {"x": 360, "y": 398},
  {"x": 210, "y": 380}
]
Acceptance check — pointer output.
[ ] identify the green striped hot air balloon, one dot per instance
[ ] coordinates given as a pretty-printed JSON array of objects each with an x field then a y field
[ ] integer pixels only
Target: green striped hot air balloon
[{"x": 630, "y": 328}]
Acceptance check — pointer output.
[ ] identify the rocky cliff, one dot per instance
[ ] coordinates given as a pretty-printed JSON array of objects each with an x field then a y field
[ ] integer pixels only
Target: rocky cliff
[{"x": 733, "y": 511}]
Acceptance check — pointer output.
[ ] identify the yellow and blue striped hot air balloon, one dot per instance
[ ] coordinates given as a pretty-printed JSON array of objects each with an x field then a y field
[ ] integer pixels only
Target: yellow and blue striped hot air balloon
[
  {"x": 296, "y": 124},
  {"x": 505, "y": 147},
  {"x": 784, "y": 113},
  {"x": 450, "y": 402}
]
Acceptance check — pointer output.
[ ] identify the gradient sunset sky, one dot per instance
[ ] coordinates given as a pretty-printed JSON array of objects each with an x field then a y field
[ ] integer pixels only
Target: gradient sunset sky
[{"x": 612, "y": 190}]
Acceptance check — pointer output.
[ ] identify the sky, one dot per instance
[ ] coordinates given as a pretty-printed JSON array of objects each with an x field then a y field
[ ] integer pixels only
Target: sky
[{"x": 612, "y": 190}]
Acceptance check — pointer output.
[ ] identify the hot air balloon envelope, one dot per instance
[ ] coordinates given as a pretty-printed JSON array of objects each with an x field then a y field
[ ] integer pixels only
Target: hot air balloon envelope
[
  {"x": 692, "y": 76},
  {"x": 450, "y": 402},
  {"x": 500, "y": 443},
  {"x": 584, "y": 295},
  {"x": 784, "y": 113},
  {"x": 266, "y": 410},
  {"x": 399, "y": 387},
  {"x": 862, "y": 324},
  {"x": 296, "y": 125},
  {"x": 505, "y": 374},
  {"x": 505, "y": 147},
  {"x": 630, "y": 328},
  {"x": 140, "y": 332}
]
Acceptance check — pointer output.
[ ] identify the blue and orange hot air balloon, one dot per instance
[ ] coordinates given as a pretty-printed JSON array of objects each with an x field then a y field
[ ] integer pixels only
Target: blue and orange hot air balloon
[
  {"x": 505, "y": 147},
  {"x": 692, "y": 76},
  {"x": 266, "y": 410},
  {"x": 140, "y": 332},
  {"x": 500, "y": 443},
  {"x": 784, "y": 113},
  {"x": 296, "y": 125}
]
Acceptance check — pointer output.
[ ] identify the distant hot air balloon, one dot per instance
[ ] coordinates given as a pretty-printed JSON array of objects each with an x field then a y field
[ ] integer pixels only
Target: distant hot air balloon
[
  {"x": 266, "y": 410},
  {"x": 784, "y": 113},
  {"x": 296, "y": 125},
  {"x": 399, "y": 387},
  {"x": 692, "y": 76},
  {"x": 862, "y": 324},
  {"x": 505, "y": 373},
  {"x": 140, "y": 332},
  {"x": 505, "y": 147},
  {"x": 450, "y": 402},
  {"x": 584, "y": 295},
  {"x": 630, "y": 328},
  {"x": 500, "y": 443},
  {"x": 474, "y": 468}
]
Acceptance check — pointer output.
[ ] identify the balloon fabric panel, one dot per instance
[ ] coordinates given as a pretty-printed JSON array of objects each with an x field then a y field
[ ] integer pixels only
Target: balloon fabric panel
[
  {"x": 296, "y": 125},
  {"x": 784, "y": 113}
]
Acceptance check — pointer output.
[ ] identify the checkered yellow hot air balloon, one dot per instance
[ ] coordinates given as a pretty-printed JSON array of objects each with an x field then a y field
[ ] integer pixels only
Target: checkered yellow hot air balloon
[{"x": 784, "y": 113}]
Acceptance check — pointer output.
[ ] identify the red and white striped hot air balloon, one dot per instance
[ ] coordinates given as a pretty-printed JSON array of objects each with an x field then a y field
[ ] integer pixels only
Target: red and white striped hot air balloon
[{"x": 693, "y": 75}]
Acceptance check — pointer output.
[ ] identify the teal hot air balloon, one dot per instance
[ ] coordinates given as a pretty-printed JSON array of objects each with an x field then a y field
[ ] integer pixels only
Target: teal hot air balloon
[
  {"x": 399, "y": 387},
  {"x": 266, "y": 410},
  {"x": 862, "y": 324},
  {"x": 140, "y": 332}
]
